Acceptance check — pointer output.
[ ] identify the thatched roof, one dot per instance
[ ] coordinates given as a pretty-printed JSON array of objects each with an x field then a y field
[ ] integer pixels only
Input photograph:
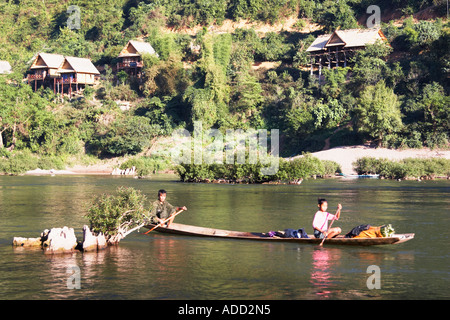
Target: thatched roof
[
  {"x": 137, "y": 48},
  {"x": 352, "y": 38},
  {"x": 64, "y": 64},
  {"x": 47, "y": 60},
  {"x": 79, "y": 65}
]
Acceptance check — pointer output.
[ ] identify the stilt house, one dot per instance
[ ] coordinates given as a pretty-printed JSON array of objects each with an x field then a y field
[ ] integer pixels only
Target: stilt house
[
  {"x": 44, "y": 70},
  {"x": 61, "y": 73},
  {"x": 130, "y": 58},
  {"x": 335, "y": 49},
  {"x": 76, "y": 73}
]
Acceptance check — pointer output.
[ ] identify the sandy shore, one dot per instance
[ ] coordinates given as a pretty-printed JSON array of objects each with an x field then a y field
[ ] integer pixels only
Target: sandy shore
[
  {"x": 97, "y": 169},
  {"x": 345, "y": 156}
]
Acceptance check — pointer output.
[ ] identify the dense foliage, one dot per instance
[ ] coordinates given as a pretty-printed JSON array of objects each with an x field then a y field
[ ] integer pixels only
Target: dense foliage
[
  {"x": 112, "y": 213},
  {"x": 407, "y": 168},
  {"x": 290, "y": 171},
  {"x": 406, "y": 84}
]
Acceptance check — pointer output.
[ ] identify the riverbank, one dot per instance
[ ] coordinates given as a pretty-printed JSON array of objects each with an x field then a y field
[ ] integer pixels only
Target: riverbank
[
  {"x": 344, "y": 156},
  {"x": 96, "y": 169}
]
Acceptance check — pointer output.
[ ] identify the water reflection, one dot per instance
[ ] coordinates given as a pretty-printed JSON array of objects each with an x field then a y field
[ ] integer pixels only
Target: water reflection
[
  {"x": 55, "y": 275},
  {"x": 324, "y": 264},
  {"x": 176, "y": 267}
]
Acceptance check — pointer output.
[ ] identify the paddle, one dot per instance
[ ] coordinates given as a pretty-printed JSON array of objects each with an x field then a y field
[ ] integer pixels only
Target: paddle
[
  {"x": 164, "y": 221},
  {"x": 321, "y": 244}
]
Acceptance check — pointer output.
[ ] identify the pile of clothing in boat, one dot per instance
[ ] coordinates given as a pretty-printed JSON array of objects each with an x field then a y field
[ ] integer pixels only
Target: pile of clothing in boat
[
  {"x": 288, "y": 233},
  {"x": 367, "y": 231}
]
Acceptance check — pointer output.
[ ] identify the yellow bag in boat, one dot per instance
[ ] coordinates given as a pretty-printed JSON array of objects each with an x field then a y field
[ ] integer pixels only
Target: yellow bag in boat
[{"x": 372, "y": 232}]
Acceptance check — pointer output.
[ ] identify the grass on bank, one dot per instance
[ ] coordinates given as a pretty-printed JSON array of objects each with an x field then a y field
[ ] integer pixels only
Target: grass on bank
[
  {"x": 19, "y": 162},
  {"x": 410, "y": 168},
  {"x": 288, "y": 171}
]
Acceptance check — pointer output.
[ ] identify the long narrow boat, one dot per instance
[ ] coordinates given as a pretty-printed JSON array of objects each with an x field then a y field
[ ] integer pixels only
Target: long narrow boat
[{"x": 188, "y": 230}]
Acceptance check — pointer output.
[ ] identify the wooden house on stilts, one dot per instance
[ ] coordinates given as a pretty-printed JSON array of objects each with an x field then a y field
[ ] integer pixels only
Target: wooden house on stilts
[
  {"x": 61, "y": 73},
  {"x": 335, "y": 49},
  {"x": 76, "y": 73},
  {"x": 130, "y": 58},
  {"x": 44, "y": 70}
]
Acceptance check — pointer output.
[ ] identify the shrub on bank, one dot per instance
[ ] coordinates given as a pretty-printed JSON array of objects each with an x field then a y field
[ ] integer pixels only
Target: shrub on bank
[
  {"x": 19, "y": 162},
  {"x": 404, "y": 169},
  {"x": 146, "y": 165},
  {"x": 288, "y": 171}
]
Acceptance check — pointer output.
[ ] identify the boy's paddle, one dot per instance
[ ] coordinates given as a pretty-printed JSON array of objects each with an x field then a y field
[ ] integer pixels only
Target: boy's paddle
[{"x": 164, "y": 221}]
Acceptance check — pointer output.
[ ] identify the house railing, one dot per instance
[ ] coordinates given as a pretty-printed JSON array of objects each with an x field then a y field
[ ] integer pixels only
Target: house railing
[
  {"x": 133, "y": 64},
  {"x": 35, "y": 76},
  {"x": 66, "y": 81}
]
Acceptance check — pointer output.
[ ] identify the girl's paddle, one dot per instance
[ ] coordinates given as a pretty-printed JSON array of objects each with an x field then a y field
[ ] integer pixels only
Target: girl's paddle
[
  {"x": 321, "y": 244},
  {"x": 164, "y": 221}
]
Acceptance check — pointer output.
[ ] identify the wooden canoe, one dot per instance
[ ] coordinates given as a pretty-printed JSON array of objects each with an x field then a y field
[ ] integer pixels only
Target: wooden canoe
[{"x": 188, "y": 230}]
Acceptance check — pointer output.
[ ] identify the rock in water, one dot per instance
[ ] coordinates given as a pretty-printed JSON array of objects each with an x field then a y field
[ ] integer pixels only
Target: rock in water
[
  {"x": 27, "y": 242},
  {"x": 89, "y": 240},
  {"x": 61, "y": 240},
  {"x": 101, "y": 241},
  {"x": 92, "y": 242}
]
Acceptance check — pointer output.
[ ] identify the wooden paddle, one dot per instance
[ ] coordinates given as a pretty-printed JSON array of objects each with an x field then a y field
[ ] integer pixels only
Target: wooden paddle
[
  {"x": 321, "y": 244},
  {"x": 164, "y": 221}
]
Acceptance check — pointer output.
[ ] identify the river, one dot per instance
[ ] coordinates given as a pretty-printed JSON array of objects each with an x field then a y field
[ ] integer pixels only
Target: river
[{"x": 169, "y": 267}]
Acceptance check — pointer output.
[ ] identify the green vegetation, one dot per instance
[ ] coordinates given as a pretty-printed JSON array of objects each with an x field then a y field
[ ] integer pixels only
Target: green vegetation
[
  {"x": 289, "y": 171},
  {"x": 394, "y": 96},
  {"x": 146, "y": 165},
  {"x": 111, "y": 214},
  {"x": 404, "y": 169}
]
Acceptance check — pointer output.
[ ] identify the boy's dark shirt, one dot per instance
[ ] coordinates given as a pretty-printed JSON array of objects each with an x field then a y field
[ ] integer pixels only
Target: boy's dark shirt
[{"x": 161, "y": 210}]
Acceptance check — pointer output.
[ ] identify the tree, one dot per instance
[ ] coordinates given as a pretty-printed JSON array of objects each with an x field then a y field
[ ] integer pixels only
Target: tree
[
  {"x": 248, "y": 93},
  {"x": 370, "y": 65},
  {"x": 125, "y": 136},
  {"x": 332, "y": 16},
  {"x": 24, "y": 119},
  {"x": 329, "y": 114},
  {"x": 434, "y": 105},
  {"x": 116, "y": 216},
  {"x": 209, "y": 96},
  {"x": 378, "y": 112},
  {"x": 334, "y": 81},
  {"x": 122, "y": 76},
  {"x": 73, "y": 43},
  {"x": 272, "y": 47}
]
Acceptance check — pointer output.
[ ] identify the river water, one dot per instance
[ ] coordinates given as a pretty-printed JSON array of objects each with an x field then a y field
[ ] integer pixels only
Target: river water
[{"x": 170, "y": 267}]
